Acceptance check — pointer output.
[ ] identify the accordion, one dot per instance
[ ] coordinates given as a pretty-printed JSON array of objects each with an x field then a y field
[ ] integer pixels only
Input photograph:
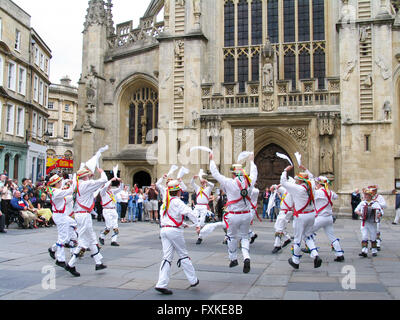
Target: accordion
[{"x": 370, "y": 214}]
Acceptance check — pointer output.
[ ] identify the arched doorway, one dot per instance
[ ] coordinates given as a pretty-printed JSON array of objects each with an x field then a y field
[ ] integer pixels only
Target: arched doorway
[
  {"x": 142, "y": 179},
  {"x": 270, "y": 166}
]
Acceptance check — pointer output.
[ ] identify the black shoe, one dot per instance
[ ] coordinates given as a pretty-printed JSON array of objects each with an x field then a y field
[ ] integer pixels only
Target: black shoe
[
  {"x": 276, "y": 250},
  {"x": 199, "y": 241},
  {"x": 100, "y": 267},
  {"x": 374, "y": 254},
  {"x": 253, "y": 238},
  {"x": 287, "y": 242},
  {"x": 101, "y": 241},
  {"x": 317, "y": 262},
  {"x": 72, "y": 271},
  {"x": 61, "y": 264},
  {"x": 164, "y": 291},
  {"x": 114, "y": 244},
  {"x": 364, "y": 255},
  {"x": 339, "y": 259},
  {"x": 394, "y": 223},
  {"x": 196, "y": 284},
  {"x": 306, "y": 251},
  {"x": 225, "y": 241},
  {"x": 378, "y": 248},
  {"x": 52, "y": 254},
  {"x": 246, "y": 267},
  {"x": 294, "y": 265},
  {"x": 233, "y": 263},
  {"x": 3, "y": 231}
]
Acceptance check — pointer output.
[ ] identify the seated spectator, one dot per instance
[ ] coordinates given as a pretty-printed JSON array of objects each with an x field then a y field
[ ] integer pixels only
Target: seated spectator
[
  {"x": 20, "y": 205},
  {"x": 33, "y": 210},
  {"x": 44, "y": 211}
]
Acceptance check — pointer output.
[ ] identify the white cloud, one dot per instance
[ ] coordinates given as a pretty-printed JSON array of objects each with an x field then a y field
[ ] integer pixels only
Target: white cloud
[{"x": 60, "y": 25}]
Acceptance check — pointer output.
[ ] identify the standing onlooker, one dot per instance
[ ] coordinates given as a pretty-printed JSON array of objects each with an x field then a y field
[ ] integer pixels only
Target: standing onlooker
[
  {"x": 2, "y": 221},
  {"x": 185, "y": 197},
  {"x": 355, "y": 201},
  {"x": 118, "y": 199},
  {"x": 140, "y": 200},
  {"x": 124, "y": 203},
  {"x": 146, "y": 212},
  {"x": 152, "y": 196},
  {"x": 221, "y": 202},
  {"x": 6, "y": 196},
  {"x": 132, "y": 206},
  {"x": 397, "y": 219},
  {"x": 277, "y": 206},
  {"x": 265, "y": 198}
]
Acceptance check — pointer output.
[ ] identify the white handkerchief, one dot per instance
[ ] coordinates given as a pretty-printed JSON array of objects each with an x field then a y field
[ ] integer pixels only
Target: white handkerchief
[{"x": 282, "y": 156}]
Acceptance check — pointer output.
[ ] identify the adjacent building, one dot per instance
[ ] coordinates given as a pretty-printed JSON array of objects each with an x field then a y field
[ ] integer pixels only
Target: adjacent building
[
  {"x": 319, "y": 77},
  {"x": 24, "y": 83},
  {"x": 62, "y": 108}
]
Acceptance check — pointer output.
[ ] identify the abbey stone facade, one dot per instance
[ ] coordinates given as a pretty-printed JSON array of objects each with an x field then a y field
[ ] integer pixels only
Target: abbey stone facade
[{"x": 319, "y": 77}]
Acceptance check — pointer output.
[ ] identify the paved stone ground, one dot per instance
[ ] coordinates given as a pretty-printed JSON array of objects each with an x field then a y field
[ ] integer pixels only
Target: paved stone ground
[{"x": 133, "y": 268}]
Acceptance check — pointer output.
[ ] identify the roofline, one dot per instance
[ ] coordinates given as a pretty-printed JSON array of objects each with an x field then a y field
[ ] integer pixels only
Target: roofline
[
  {"x": 20, "y": 8},
  {"x": 35, "y": 34}
]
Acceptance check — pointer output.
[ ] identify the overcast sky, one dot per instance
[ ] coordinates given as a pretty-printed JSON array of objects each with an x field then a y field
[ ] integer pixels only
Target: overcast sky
[{"x": 60, "y": 25}]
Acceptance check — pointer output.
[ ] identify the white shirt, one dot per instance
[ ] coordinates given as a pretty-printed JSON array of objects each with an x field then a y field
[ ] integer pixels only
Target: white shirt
[
  {"x": 287, "y": 201},
  {"x": 232, "y": 189},
  {"x": 59, "y": 199},
  {"x": 106, "y": 198},
  {"x": 322, "y": 201},
  {"x": 124, "y": 196},
  {"x": 381, "y": 200},
  {"x": 177, "y": 209},
  {"x": 86, "y": 191},
  {"x": 204, "y": 198},
  {"x": 299, "y": 194}
]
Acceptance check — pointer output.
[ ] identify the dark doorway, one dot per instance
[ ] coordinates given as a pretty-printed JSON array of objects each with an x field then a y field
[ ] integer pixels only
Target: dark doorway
[
  {"x": 270, "y": 166},
  {"x": 142, "y": 179}
]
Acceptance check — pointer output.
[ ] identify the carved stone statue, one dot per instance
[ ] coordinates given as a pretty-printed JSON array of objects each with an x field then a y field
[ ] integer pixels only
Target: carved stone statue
[
  {"x": 348, "y": 13},
  {"x": 166, "y": 7},
  {"x": 179, "y": 49},
  {"x": 368, "y": 81},
  {"x": 268, "y": 103},
  {"x": 197, "y": 6},
  {"x": 349, "y": 69},
  {"x": 364, "y": 34},
  {"x": 326, "y": 158},
  {"x": 143, "y": 122},
  {"x": 384, "y": 69},
  {"x": 268, "y": 75},
  {"x": 180, "y": 91},
  {"x": 180, "y": 3},
  {"x": 387, "y": 110}
]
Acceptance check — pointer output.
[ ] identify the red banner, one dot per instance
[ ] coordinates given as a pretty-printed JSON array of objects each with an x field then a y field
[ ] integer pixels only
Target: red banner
[{"x": 59, "y": 163}]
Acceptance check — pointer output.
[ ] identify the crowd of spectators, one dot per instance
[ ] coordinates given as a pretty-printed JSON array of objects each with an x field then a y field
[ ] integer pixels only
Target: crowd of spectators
[{"x": 26, "y": 204}]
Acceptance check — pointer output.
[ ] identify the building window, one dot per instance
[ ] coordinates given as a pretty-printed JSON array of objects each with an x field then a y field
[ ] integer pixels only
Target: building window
[
  {"x": 229, "y": 69},
  {"x": 34, "y": 125},
  {"x": 273, "y": 22},
  {"x": 243, "y": 72},
  {"x": 255, "y": 67},
  {"x": 46, "y": 66},
  {"x": 289, "y": 22},
  {"x": 243, "y": 23},
  {"x": 7, "y": 163},
  {"x": 50, "y": 105},
  {"x": 1, "y": 70},
  {"x": 229, "y": 17},
  {"x": 67, "y": 108},
  {"x": 41, "y": 93},
  {"x": 12, "y": 76},
  {"x": 20, "y": 121},
  {"x": 22, "y": 81},
  {"x": 319, "y": 20},
  {"x": 319, "y": 67},
  {"x": 50, "y": 128},
  {"x": 42, "y": 61},
  {"x": 40, "y": 127},
  {"x": 36, "y": 89},
  {"x": 66, "y": 131},
  {"x": 304, "y": 64},
  {"x": 304, "y": 20},
  {"x": 16, "y": 167},
  {"x": 367, "y": 143},
  {"x": 256, "y": 22},
  {"x": 290, "y": 67},
  {"x": 37, "y": 56},
  {"x": 17, "y": 40},
  {"x": 10, "y": 119},
  {"x": 143, "y": 111}
]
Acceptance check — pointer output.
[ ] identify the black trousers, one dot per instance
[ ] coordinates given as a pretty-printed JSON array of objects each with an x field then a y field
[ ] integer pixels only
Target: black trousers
[
  {"x": 124, "y": 206},
  {"x": 2, "y": 222},
  {"x": 5, "y": 205}
]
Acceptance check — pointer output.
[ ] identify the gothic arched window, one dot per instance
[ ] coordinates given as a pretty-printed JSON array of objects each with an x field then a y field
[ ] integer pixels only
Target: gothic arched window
[
  {"x": 243, "y": 23},
  {"x": 256, "y": 22},
  {"x": 143, "y": 115},
  {"x": 229, "y": 16}
]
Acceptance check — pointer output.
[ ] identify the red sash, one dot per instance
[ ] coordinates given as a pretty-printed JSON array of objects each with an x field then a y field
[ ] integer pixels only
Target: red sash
[
  {"x": 89, "y": 210},
  {"x": 105, "y": 205},
  {"x": 208, "y": 199},
  {"x": 329, "y": 197},
  {"x": 55, "y": 210},
  {"x": 301, "y": 211},
  {"x": 172, "y": 219}
]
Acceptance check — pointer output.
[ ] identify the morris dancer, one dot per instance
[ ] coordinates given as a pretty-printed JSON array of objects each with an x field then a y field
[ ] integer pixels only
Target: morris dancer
[
  {"x": 370, "y": 212},
  {"x": 324, "y": 219},
  {"x": 172, "y": 237},
  {"x": 58, "y": 198},
  {"x": 110, "y": 214},
  {"x": 304, "y": 214},
  {"x": 284, "y": 217},
  {"x": 238, "y": 217},
  {"x": 83, "y": 207},
  {"x": 381, "y": 200},
  {"x": 201, "y": 209}
]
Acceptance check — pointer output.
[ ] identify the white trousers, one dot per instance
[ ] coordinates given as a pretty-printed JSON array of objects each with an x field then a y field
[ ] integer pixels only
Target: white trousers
[
  {"x": 67, "y": 236},
  {"x": 200, "y": 211},
  {"x": 368, "y": 233},
  {"x": 239, "y": 226},
  {"x": 397, "y": 219},
  {"x": 111, "y": 220},
  {"x": 173, "y": 241},
  {"x": 86, "y": 238},
  {"x": 326, "y": 222},
  {"x": 281, "y": 234},
  {"x": 303, "y": 229}
]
